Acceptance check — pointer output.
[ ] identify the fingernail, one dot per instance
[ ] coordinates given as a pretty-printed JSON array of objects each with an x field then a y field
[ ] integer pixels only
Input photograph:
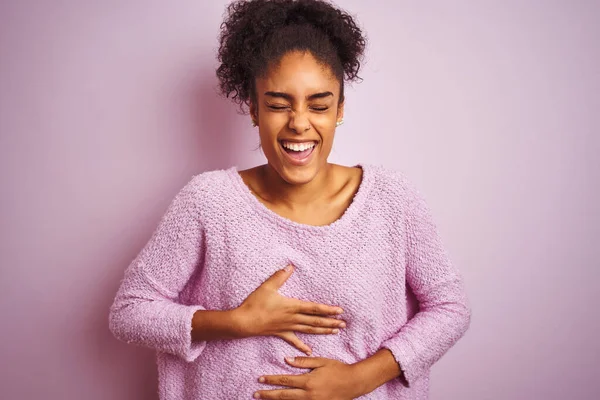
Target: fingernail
[
  {"x": 256, "y": 396},
  {"x": 309, "y": 352},
  {"x": 343, "y": 325},
  {"x": 261, "y": 379},
  {"x": 288, "y": 268},
  {"x": 290, "y": 359},
  {"x": 340, "y": 311},
  {"x": 336, "y": 330}
]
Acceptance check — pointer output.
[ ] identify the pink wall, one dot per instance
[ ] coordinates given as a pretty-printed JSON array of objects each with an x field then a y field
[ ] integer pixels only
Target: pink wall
[{"x": 107, "y": 108}]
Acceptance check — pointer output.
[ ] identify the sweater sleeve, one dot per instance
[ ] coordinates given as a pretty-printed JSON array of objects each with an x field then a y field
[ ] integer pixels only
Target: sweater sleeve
[
  {"x": 444, "y": 314},
  {"x": 147, "y": 310}
]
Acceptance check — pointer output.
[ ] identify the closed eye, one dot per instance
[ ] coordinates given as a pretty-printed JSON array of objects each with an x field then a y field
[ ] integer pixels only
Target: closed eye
[{"x": 277, "y": 107}]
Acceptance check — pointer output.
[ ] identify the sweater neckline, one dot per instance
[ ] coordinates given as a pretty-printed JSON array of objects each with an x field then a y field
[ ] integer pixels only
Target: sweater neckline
[{"x": 351, "y": 212}]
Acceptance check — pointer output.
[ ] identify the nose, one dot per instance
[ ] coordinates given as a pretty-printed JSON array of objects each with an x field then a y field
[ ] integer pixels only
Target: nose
[{"x": 299, "y": 122}]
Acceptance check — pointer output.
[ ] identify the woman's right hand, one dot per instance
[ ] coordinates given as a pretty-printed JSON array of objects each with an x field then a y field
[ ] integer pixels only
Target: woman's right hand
[{"x": 267, "y": 313}]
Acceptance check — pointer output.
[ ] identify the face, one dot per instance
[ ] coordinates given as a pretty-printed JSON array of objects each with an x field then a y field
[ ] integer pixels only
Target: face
[{"x": 297, "y": 107}]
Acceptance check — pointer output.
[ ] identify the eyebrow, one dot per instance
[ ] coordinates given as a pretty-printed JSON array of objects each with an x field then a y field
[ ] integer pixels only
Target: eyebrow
[{"x": 290, "y": 97}]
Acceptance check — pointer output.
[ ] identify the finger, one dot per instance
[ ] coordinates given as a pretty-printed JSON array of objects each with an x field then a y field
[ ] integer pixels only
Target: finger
[
  {"x": 292, "y": 339},
  {"x": 278, "y": 278},
  {"x": 312, "y": 330},
  {"x": 281, "y": 394},
  {"x": 291, "y": 381},
  {"x": 320, "y": 322},
  {"x": 307, "y": 307},
  {"x": 307, "y": 362}
]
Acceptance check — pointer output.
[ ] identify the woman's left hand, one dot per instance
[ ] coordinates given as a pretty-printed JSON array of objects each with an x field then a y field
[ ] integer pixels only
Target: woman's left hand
[{"x": 328, "y": 380}]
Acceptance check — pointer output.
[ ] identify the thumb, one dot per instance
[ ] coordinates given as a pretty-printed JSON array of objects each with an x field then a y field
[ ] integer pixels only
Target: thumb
[{"x": 278, "y": 278}]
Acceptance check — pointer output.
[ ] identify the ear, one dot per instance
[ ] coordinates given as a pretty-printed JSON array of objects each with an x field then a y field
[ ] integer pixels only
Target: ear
[
  {"x": 253, "y": 112},
  {"x": 340, "y": 111}
]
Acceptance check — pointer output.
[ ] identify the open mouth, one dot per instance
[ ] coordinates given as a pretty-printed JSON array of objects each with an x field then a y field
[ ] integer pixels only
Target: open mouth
[{"x": 298, "y": 152}]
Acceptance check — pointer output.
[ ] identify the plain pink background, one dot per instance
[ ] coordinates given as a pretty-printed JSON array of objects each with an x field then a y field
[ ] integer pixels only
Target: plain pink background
[{"x": 492, "y": 108}]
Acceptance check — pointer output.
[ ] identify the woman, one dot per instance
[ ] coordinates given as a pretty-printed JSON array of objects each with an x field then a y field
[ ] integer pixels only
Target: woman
[{"x": 294, "y": 279}]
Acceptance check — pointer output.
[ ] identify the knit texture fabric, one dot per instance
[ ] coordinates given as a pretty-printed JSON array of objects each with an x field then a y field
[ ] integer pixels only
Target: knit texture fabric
[{"x": 382, "y": 262}]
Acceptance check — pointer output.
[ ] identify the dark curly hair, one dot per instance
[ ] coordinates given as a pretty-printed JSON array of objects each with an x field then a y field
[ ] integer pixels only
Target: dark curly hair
[{"x": 256, "y": 34}]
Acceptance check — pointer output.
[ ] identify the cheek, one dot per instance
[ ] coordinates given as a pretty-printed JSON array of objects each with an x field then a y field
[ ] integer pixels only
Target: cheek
[
  {"x": 325, "y": 127},
  {"x": 328, "y": 141},
  {"x": 323, "y": 121},
  {"x": 268, "y": 136},
  {"x": 271, "y": 125}
]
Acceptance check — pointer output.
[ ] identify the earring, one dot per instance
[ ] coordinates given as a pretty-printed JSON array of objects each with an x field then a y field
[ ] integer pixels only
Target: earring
[
  {"x": 340, "y": 122},
  {"x": 253, "y": 123}
]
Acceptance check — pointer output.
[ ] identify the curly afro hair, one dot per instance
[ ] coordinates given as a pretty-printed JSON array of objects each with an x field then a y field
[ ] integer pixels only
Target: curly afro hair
[{"x": 256, "y": 34}]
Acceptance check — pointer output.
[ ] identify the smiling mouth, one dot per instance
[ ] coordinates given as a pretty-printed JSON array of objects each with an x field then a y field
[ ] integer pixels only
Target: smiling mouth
[{"x": 298, "y": 152}]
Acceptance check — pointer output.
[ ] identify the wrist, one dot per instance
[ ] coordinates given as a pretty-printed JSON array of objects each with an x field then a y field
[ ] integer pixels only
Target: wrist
[
  {"x": 356, "y": 379},
  {"x": 241, "y": 324},
  {"x": 216, "y": 325},
  {"x": 372, "y": 372}
]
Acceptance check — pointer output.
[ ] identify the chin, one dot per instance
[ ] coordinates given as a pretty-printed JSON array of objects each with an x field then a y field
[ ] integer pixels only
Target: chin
[
  {"x": 298, "y": 175},
  {"x": 296, "y": 171}
]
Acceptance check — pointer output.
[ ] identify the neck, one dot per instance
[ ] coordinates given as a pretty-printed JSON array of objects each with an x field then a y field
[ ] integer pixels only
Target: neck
[{"x": 280, "y": 191}]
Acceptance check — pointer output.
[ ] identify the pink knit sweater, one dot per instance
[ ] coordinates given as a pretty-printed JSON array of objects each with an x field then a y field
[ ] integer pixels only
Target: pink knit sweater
[{"x": 382, "y": 262}]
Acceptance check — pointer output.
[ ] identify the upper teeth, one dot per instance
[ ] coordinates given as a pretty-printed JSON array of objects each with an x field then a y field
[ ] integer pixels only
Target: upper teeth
[{"x": 298, "y": 146}]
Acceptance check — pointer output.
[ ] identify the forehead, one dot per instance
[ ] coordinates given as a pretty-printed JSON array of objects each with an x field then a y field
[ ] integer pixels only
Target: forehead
[{"x": 298, "y": 73}]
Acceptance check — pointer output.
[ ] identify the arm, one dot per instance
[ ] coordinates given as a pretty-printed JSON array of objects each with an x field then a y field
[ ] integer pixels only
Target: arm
[
  {"x": 146, "y": 310},
  {"x": 216, "y": 325},
  {"x": 375, "y": 371},
  {"x": 444, "y": 314},
  {"x": 330, "y": 379},
  {"x": 442, "y": 319},
  {"x": 266, "y": 313}
]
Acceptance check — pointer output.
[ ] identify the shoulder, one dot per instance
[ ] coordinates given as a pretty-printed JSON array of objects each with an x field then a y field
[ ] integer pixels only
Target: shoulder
[
  {"x": 401, "y": 195},
  {"x": 205, "y": 188},
  {"x": 391, "y": 185},
  {"x": 209, "y": 181}
]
